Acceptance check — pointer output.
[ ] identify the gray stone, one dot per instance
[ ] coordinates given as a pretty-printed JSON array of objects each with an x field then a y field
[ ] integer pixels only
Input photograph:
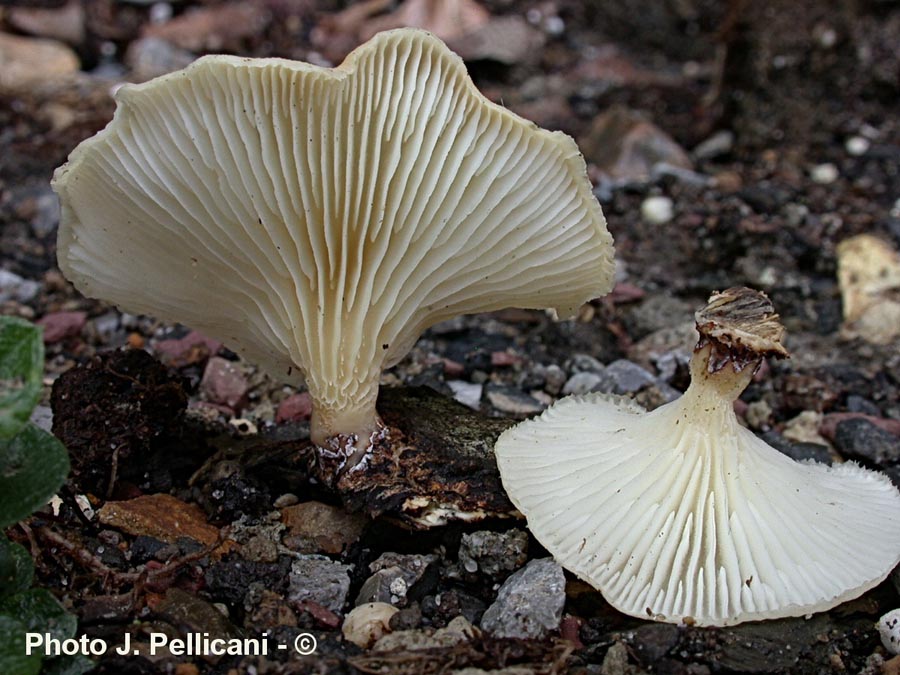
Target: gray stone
[
  {"x": 398, "y": 579},
  {"x": 186, "y": 610},
  {"x": 584, "y": 363},
  {"x": 42, "y": 417},
  {"x": 106, "y": 325},
  {"x": 554, "y": 379},
  {"x": 625, "y": 377},
  {"x": 860, "y": 439},
  {"x": 46, "y": 213},
  {"x": 679, "y": 173},
  {"x": 582, "y": 383},
  {"x": 493, "y": 554},
  {"x": 667, "y": 364},
  {"x": 14, "y": 287},
  {"x": 653, "y": 641},
  {"x": 316, "y": 578},
  {"x": 151, "y": 57},
  {"x": 679, "y": 339},
  {"x": 513, "y": 401},
  {"x": 530, "y": 603},
  {"x": 657, "y": 312},
  {"x": 720, "y": 143}
]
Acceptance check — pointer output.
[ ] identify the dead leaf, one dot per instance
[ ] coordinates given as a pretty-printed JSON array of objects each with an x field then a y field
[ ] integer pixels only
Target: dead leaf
[{"x": 160, "y": 516}]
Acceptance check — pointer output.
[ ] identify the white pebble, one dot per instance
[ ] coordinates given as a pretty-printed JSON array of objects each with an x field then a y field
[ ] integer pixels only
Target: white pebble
[
  {"x": 160, "y": 12},
  {"x": 857, "y": 145},
  {"x": 554, "y": 26},
  {"x": 467, "y": 393},
  {"x": 365, "y": 624},
  {"x": 657, "y": 210},
  {"x": 889, "y": 629},
  {"x": 824, "y": 173}
]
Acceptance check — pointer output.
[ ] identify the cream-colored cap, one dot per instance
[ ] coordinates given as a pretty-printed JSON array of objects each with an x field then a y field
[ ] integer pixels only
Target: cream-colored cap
[{"x": 318, "y": 220}]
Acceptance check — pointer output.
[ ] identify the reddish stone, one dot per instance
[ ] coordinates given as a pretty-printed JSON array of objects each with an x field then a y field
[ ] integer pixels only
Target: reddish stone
[
  {"x": 503, "y": 358},
  {"x": 625, "y": 146},
  {"x": 192, "y": 348},
  {"x": 295, "y": 408},
  {"x": 569, "y": 629},
  {"x": 225, "y": 384},
  {"x": 60, "y": 325},
  {"x": 453, "y": 369},
  {"x": 323, "y": 616},
  {"x": 624, "y": 293}
]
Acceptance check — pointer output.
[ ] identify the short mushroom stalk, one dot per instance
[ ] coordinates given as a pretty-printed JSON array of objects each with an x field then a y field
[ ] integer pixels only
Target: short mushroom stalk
[
  {"x": 683, "y": 515},
  {"x": 738, "y": 328}
]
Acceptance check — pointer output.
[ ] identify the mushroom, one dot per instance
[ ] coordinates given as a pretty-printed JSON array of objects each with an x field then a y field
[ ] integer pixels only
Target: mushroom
[
  {"x": 683, "y": 515},
  {"x": 317, "y": 220}
]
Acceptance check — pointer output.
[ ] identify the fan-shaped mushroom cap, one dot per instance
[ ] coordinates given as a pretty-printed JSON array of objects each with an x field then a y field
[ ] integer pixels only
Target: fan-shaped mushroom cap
[
  {"x": 317, "y": 220},
  {"x": 681, "y": 514}
]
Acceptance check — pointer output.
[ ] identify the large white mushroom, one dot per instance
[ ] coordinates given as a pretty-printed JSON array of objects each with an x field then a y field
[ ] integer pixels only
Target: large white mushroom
[
  {"x": 318, "y": 220},
  {"x": 681, "y": 514}
]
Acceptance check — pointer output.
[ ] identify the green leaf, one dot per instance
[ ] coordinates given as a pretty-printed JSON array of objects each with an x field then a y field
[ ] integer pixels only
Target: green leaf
[
  {"x": 21, "y": 367},
  {"x": 40, "y": 612},
  {"x": 32, "y": 467},
  {"x": 16, "y": 568},
  {"x": 68, "y": 665},
  {"x": 13, "y": 660}
]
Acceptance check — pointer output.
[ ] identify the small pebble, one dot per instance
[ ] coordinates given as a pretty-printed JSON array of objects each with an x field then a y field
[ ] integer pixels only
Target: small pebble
[
  {"x": 530, "y": 603},
  {"x": 857, "y": 145},
  {"x": 513, "y": 401},
  {"x": 366, "y": 624},
  {"x": 287, "y": 499},
  {"x": 889, "y": 629},
  {"x": 581, "y": 383},
  {"x": 554, "y": 26},
  {"x": 554, "y": 379},
  {"x": 584, "y": 362},
  {"x": 493, "y": 554},
  {"x": 61, "y": 325},
  {"x": 861, "y": 440},
  {"x": 467, "y": 393},
  {"x": 321, "y": 580},
  {"x": 625, "y": 377},
  {"x": 720, "y": 143},
  {"x": 657, "y": 210},
  {"x": 14, "y": 287},
  {"x": 824, "y": 174}
]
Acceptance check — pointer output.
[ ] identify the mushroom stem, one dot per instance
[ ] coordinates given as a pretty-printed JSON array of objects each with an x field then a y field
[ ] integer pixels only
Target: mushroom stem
[
  {"x": 738, "y": 328},
  {"x": 344, "y": 435},
  {"x": 357, "y": 422}
]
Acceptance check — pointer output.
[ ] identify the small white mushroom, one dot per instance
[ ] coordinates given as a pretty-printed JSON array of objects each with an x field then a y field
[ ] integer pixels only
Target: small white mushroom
[
  {"x": 318, "y": 220},
  {"x": 364, "y": 625},
  {"x": 681, "y": 514}
]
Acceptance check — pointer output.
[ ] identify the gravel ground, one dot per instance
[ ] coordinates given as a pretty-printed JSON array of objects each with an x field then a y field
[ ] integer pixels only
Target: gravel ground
[{"x": 730, "y": 144}]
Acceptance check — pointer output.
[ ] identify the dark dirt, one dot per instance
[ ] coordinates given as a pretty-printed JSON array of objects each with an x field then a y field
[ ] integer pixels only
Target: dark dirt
[{"x": 795, "y": 86}]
